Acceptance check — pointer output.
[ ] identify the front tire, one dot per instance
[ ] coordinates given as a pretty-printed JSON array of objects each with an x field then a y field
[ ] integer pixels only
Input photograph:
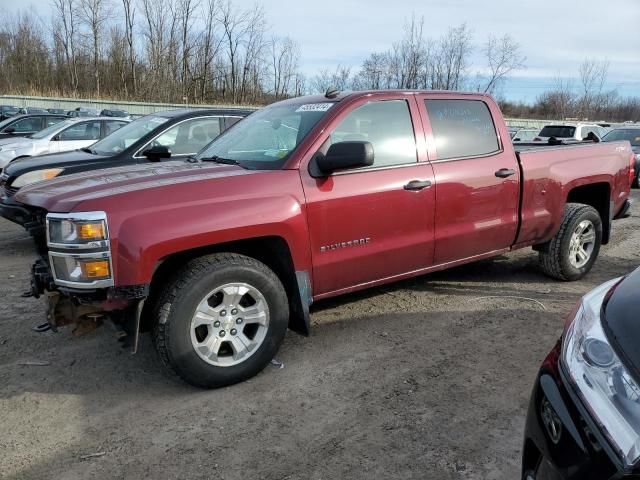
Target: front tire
[
  {"x": 221, "y": 320},
  {"x": 572, "y": 252}
]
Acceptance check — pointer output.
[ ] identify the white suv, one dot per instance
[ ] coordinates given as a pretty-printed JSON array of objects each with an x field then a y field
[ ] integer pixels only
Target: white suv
[
  {"x": 569, "y": 131},
  {"x": 64, "y": 136}
]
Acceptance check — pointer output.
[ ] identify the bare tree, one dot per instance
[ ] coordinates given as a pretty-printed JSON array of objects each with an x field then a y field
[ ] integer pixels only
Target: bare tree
[
  {"x": 339, "y": 78},
  {"x": 450, "y": 61},
  {"x": 94, "y": 14},
  {"x": 65, "y": 31},
  {"x": 186, "y": 9},
  {"x": 284, "y": 63},
  {"x": 210, "y": 44},
  {"x": 593, "y": 76},
  {"x": 129, "y": 21},
  {"x": 503, "y": 57},
  {"x": 234, "y": 28}
]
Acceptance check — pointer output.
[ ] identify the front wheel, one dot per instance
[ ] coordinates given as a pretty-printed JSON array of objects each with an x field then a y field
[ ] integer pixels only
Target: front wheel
[
  {"x": 573, "y": 250},
  {"x": 221, "y": 320}
]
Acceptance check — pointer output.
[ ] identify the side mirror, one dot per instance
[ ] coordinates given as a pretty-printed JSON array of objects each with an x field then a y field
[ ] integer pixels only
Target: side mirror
[
  {"x": 516, "y": 139},
  {"x": 344, "y": 155},
  {"x": 157, "y": 153},
  {"x": 56, "y": 138}
]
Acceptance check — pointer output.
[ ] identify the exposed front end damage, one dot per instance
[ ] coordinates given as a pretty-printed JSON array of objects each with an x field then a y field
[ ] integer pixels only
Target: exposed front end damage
[{"x": 74, "y": 275}]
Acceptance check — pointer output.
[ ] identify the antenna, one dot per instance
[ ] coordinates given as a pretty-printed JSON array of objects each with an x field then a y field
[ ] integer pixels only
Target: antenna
[{"x": 332, "y": 92}]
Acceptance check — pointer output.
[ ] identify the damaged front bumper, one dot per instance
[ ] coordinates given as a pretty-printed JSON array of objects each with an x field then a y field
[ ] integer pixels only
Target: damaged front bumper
[
  {"x": 87, "y": 309},
  {"x": 75, "y": 274}
]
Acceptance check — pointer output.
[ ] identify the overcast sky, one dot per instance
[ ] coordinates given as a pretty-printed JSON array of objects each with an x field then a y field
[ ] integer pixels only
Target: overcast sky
[{"x": 555, "y": 36}]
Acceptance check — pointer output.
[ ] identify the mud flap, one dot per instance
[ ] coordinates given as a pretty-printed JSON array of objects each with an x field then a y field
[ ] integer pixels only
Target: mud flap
[{"x": 299, "y": 321}]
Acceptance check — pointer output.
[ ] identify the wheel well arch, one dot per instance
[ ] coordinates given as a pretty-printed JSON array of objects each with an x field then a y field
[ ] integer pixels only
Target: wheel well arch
[
  {"x": 273, "y": 251},
  {"x": 597, "y": 195}
]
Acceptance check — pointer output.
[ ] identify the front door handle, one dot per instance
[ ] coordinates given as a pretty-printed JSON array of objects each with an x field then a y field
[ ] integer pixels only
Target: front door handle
[
  {"x": 505, "y": 172},
  {"x": 417, "y": 185}
]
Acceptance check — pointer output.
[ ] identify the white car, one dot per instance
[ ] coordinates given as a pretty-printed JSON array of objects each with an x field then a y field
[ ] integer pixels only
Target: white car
[
  {"x": 569, "y": 131},
  {"x": 65, "y": 136}
]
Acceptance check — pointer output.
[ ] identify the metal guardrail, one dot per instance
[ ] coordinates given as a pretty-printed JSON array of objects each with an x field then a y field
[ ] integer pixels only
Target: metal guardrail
[{"x": 138, "y": 108}]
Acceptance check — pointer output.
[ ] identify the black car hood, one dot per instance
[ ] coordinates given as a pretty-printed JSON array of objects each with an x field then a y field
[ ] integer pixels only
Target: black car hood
[
  {"x": 621, "y": 320},
  {"x": 76, "y": 158}
]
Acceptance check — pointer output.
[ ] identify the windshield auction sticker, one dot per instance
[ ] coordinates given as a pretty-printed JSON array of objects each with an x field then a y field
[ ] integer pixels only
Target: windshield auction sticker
[{"x": 314, "y": 107}]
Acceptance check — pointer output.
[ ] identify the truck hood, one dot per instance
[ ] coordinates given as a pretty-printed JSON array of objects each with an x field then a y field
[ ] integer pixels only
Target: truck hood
[{"x": 63, "y": 193}]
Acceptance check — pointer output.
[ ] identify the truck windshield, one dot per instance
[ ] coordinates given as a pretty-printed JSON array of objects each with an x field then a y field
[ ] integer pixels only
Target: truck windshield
[
  {"x": 558, "y": 131},
  {"x": 128, "y": 135},
  {"x": 266, "y": 138},
  {"x": 633, "y": 135}
]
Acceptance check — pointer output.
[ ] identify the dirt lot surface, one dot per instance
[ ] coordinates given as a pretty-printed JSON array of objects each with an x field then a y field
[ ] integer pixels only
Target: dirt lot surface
[{"x": 424, "y": 379}]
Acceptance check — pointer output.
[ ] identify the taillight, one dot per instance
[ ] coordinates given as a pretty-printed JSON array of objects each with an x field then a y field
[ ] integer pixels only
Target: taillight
[{"x": 632, "y": 168}]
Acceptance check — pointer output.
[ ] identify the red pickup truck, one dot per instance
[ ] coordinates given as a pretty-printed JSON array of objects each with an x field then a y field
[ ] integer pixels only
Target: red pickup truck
[{"x": 307, "y": 199}]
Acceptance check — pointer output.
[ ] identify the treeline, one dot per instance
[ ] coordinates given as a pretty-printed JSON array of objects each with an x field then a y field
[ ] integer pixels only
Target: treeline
[
  {"x": 210, "y": 51},
  {"x": 196, "y": 51}
]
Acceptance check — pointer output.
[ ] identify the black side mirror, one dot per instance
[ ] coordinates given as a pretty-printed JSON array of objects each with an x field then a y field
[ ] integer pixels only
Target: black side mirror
[
  {"x": 344, "y": 155},
  {"x": 56, "y": 138},
  {"x": 157, "y": 153},
  {"x": 9, "y": 130},
  {"x": 516, "y": 139}
]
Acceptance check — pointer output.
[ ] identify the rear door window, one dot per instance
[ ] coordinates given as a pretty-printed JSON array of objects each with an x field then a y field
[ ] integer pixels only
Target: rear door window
[
  {"x": 462, "y": 128},
  {"x": 81, "y": 131},
  {"x": 52, "y": 121},
  {"x": 26, "y": 125},
  {"x": 110, "y": 127}
]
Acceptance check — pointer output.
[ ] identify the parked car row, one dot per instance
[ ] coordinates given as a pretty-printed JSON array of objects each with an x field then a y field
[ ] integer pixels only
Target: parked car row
[
  {"x": 217, "y": 244},
  {"x": 170, "y": 135},
  {"x": 7, "y": 111}
]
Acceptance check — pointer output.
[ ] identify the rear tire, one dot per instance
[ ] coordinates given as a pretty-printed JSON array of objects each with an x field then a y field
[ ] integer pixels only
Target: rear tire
[
  {"x": 572, "y": 252},
  {"x": 221, "y": 320}
]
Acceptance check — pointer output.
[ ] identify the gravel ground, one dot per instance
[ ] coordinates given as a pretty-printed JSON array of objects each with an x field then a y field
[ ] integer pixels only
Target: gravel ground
[{"x": 427, "y": 378}]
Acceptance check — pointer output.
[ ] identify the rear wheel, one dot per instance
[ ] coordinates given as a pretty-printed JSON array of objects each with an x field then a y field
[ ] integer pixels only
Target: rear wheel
[
  {"x": 573, "y": 250},
  {"x": 221, "y": 320}
]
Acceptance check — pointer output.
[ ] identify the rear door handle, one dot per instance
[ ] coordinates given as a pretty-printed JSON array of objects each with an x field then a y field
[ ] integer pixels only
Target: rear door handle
[
  {"x": 417, "y": 185},
  {"x": 505, "y": 172}
]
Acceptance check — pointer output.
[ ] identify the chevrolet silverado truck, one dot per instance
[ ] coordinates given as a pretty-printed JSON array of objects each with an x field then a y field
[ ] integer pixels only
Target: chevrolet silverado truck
[{"x": 307, "y": 199}]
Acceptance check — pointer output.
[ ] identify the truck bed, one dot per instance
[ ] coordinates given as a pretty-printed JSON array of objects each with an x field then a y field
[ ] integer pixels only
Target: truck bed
[{"x": 552, "y": 175}]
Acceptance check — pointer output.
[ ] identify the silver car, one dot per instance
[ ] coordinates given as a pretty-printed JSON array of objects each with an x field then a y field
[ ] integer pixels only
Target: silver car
[{"x": 65, "y": 136}]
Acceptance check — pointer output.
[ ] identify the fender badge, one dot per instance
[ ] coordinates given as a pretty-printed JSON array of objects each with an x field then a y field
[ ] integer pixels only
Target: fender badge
[{"x": 351, "y": 243}]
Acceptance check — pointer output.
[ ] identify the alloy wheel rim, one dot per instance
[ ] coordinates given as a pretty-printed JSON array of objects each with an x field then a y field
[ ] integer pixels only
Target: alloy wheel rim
[
  {"x": 229, "y": 324},
  {"x": 582, "y": 243}
]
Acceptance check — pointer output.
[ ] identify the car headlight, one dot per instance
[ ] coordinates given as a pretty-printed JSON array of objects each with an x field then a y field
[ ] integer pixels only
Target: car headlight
[
  {"x": 77, "y": 229},
  {"x": 607, "y": 389},
  {"x": 79, "y": 249},
  {"x": 36, "y": 176}
]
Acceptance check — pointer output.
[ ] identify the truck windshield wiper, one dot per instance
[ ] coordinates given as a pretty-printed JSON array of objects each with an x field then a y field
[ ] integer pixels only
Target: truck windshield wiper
[{"x": 217, "y": 159}]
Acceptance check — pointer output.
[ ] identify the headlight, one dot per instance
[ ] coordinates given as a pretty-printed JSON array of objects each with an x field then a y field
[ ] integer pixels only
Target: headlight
[
  {"x": 36, "y": 176},
  {"x": 81, "y": 269},
  {"x": 607, "y": 389},
  {"x": 69, "y": 236},
  {"x": 74, "y": 231}
]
